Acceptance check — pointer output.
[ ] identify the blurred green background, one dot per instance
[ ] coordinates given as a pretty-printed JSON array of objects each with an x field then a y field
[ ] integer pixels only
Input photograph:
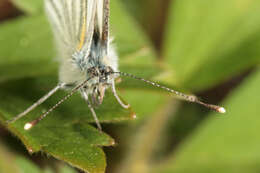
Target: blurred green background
[{"x": 210, "y": 48}]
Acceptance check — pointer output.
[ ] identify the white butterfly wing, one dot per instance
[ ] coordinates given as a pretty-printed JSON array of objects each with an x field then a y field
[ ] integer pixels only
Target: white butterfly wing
[
  {"x": 72, "y": 22},
  {"x": 100, "y": 15},
  {"x": 103, "y": 20}
]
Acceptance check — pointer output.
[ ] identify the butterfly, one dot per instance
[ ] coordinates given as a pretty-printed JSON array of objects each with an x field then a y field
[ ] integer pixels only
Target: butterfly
[{"x": 88, "y": 60}]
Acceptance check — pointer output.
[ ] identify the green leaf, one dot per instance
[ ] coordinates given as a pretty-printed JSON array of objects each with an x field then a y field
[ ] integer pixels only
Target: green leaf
[
  {"x": 30, "y": 6},
  {"x": 27, "y": 48},
  {"x": 130, "y": 46},
  {"x": 6, "y": 158},
  {"x": 19, "y": 163},
  {"x": 26, "y": 166},
  {"x": 67, "y": 169},
  {"x": 209, "y": 41},
  {"x": 65, "y": 133},
  {"x": 228, "y": 143}
]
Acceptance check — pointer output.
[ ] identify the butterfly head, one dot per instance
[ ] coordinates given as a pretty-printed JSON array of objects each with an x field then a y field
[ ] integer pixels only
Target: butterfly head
[{"x": 101, "y": 78}]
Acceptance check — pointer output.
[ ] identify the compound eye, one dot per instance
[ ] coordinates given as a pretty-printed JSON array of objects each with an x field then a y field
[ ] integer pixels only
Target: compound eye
[
  {"x": 102, "y": 71},
  {"x": 93, "y": 71}
]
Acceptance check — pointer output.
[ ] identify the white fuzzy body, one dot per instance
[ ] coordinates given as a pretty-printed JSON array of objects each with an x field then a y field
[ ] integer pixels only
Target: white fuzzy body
[{"x": 70, "y": 73}]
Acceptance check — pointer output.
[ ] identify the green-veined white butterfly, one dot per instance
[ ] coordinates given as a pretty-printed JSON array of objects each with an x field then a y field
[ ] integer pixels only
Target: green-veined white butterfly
[{"x": 88, "y": 61}]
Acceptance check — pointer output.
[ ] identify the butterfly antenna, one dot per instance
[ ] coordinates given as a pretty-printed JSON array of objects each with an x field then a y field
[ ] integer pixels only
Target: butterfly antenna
[
  {"x": 29, "y": 125},
  {"x": 189, "y": 98}
]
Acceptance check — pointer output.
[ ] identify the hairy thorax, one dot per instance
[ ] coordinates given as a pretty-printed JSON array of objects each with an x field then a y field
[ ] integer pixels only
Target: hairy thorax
[{"x": 97, "y": 66}]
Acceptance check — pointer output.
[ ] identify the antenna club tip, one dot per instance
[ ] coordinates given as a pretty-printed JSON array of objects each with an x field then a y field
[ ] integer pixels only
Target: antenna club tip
[
  {"x": 134, "y": 116},
  {"x": 221, "y": 110},
  {"x": 113, "y": 143},
  {"x": 28, "y": 126}
]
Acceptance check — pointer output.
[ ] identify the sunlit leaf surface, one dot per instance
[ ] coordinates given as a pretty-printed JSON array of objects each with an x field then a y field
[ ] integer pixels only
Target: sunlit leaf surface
[
  {"x": 226, "y": 143},
  {"x": 207, "y": 42}
]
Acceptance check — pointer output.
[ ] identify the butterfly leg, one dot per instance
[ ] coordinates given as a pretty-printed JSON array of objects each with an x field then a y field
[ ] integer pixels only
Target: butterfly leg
[
  {"x": 40, "y": 101},
  {"x": 117, "y": 97},
  {"x": 92, "y": 110}
]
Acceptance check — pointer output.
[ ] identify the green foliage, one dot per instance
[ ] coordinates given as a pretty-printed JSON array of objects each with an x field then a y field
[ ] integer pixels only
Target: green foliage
[
  {"x": 29, "y": 6},
  {"x": 23, "y": 41},
  {"x": 5, "y": 159},
  {"x": 224, "y": 144},
  {"x": 21, "y": 164},
  {"x": 205, "y": 43},
  {"x": 209, "y": 41}
]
